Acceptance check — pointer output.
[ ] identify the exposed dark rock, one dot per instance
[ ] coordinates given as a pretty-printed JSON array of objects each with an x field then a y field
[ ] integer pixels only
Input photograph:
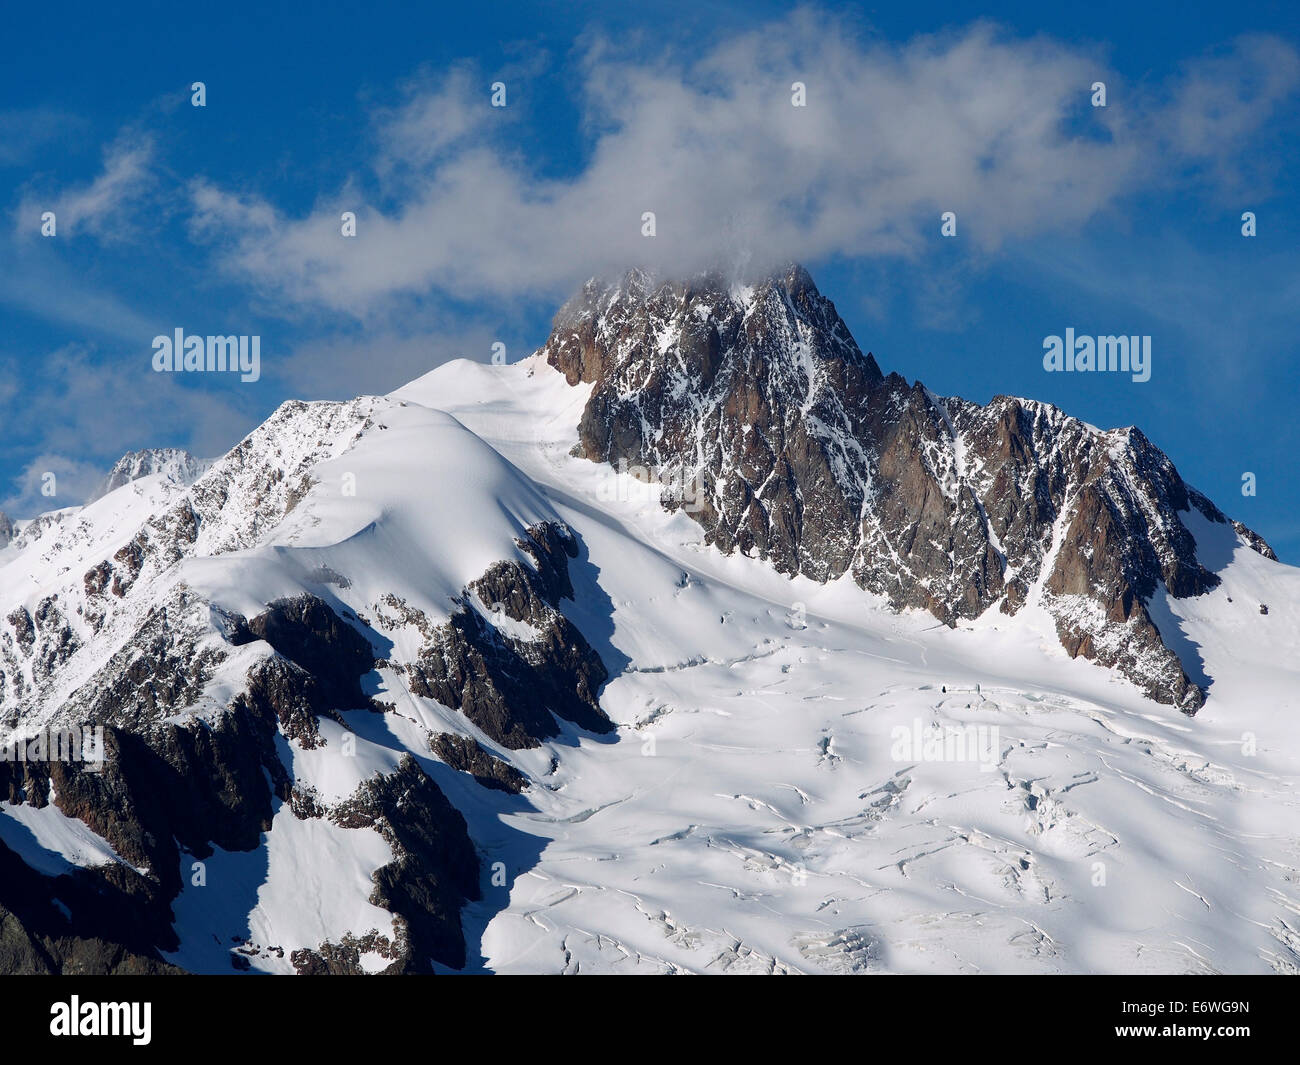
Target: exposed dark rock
[
  {"x": 56, "y": 643},
  {"x": 96, "y": 579},
  {"x": 176, "y": 787},
  {"x": 1253, "y": 538},
  {"x": 298, "y": 492},
  {"x": 510, "y": 685},
  {"x": 784, "y": 441},
  {"x": 24, "y": 629},
  {"x": 158, "y": 672},
  {"x": 435, "y": 870},
  {"x": 308, "y": 633},
  {"x": 318, "y": 674},
  {"x": 183, "y": 776},
  {"x": 26, "y": 952},
  {"x": 170, "y": 790},
  {"x": 464, "y": 754},
  {"x": 344, "y": 958}
]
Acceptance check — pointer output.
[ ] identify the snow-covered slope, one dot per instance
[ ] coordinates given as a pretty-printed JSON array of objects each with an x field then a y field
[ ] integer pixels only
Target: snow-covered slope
[
  {"x": 403, "y": 683},
  {"x": 768, "y": 806},
  {"x": 303, "y": 576}
]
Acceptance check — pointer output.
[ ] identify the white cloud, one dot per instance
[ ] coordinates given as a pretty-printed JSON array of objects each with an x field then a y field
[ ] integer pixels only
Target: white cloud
[
  {"x": 99, "y": 207},
  {"x": 1221, "y": 99},
  {"x": 110, "y": 407},
  {"x": 997, "y": 129},
  {"x": 432, "y": 120},
  {"x": 70, "y": 479}
]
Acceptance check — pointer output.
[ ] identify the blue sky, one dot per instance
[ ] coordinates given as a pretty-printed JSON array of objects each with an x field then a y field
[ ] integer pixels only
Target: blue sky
[{"x": 474, "y": 223}]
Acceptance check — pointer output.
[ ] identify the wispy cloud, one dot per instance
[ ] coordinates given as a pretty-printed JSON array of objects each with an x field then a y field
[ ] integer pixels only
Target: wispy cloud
[
  {"x": 1219, "y": 307},
  {"x": 1219, "y": 101},
  {"x": 994, "y": 128},
  {"x": 54, "y": 292},
  {"x": 107, "y": 405},
  {"x": 99, "y": 207},
  {"x": 50, "y": 481}
]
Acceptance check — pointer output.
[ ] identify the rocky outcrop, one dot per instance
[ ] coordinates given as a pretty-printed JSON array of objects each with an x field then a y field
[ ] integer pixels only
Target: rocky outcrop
[
  {"x": 319, "y": 668},
  {"x": 468, "y": 756},
  {"x": 184, "y": 789},
  {"x": 172, "y": 785},
  {"x": 162, "y": 669},
  {"x": 42, "y": 951},
  {"x": 205, "y": 712},
  {"x": 345, "y": 957},
  {"x": 784, "y": 441},
  {"x": 507, "y": 658},
  {"x": 174, "y": 462},
  {"x": 434, "y": 871}
]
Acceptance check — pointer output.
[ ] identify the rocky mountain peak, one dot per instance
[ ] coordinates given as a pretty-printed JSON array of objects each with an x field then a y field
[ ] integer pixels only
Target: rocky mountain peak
[
  {"x": 367, "y": 638},
  {"x": 787, "y": 443},
  {"x": 175, "y": 462},
  {"x": 608, "y": 328}
]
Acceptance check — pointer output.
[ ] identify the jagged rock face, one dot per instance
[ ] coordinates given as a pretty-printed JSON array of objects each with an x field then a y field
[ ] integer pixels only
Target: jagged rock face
[
  {"x": 467, "y": 755},
  {"x": 239, "y": 499},
  {"x": 218, "y": 718},
  {"x": 6, "y": 529},
  {"x": 435, "y": 867},
  {"x": 322, "y": 659},
  {"x": 184, "y": 787},
  {"x": 786, "y": 442},
  {"x": 176, "y": 463},
  {"x": 168, "y": 788},
  {"x": 162, "y": 669},
  {"x": 717, "y": 386},
  {"x": 42, "y": 946},
  {"x": 507, "y": 658}
]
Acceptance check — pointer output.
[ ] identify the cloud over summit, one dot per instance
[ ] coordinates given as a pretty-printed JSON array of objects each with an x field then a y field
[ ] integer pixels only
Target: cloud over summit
[{"x": 996, "y": 128}]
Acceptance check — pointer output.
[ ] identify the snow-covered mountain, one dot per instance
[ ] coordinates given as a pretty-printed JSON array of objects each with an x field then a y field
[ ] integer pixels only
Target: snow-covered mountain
[
  {"x": 173, "y": 462},
  {"x": 853, "y": 677},
  {"x": 805, "y": 454}
]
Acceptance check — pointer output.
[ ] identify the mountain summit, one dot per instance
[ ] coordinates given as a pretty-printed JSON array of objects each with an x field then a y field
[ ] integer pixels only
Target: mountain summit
[
  {"x": 176, "y": 463},
  {"x": 423, "y": 681},
  {"x": 811, "y": 458}
]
